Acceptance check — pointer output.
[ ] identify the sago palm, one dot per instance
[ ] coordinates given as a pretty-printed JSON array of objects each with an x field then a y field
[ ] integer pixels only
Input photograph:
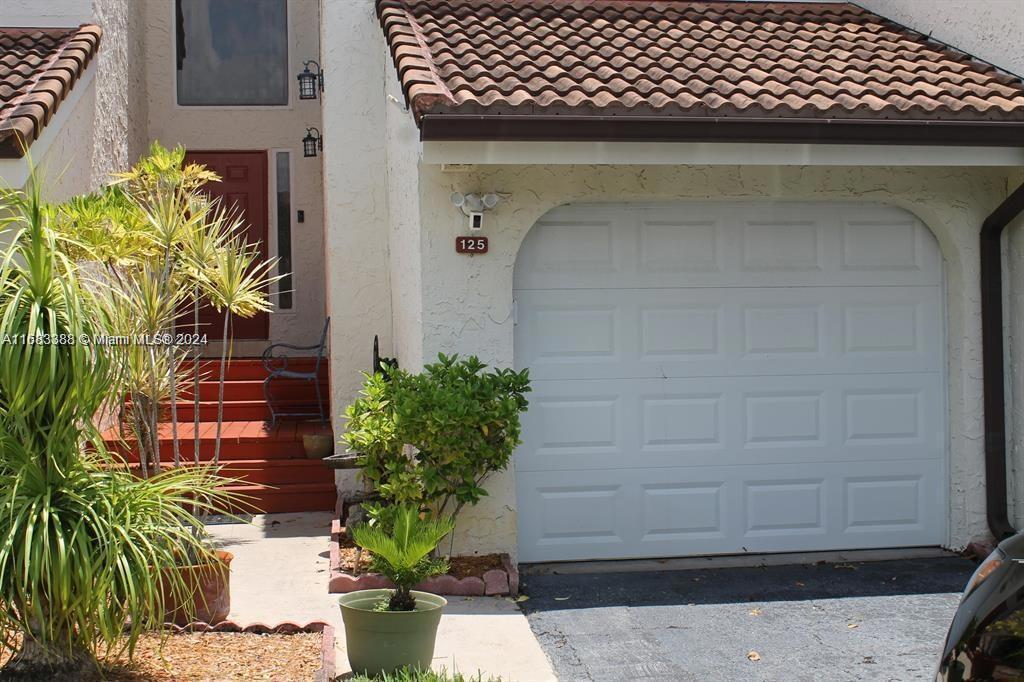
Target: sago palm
[
  {"x": 401, "y": 548},
  {"x": 84, "y": 544}
]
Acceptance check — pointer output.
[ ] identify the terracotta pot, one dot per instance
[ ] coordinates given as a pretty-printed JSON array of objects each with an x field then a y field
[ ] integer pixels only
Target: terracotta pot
[
  {"x": 318, "y": 445},
  {"x": 209, "y": 590}
]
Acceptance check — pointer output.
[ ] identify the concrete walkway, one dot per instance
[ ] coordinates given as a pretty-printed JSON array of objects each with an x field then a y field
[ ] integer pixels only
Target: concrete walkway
[{"x": 280, "y": 574}]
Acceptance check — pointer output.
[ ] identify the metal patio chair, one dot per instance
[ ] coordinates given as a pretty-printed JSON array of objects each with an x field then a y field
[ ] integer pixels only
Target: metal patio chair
[{"x": 277, "y": 368}]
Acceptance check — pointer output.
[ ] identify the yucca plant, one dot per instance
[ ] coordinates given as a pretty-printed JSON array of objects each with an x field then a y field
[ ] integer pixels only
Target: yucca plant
[
  {"x": 167, "y": 248},
  {"x": 401, "y": 550},
  {"x": 85, "y": 545}
]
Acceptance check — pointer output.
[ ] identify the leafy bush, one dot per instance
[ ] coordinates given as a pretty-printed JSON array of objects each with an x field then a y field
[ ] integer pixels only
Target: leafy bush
[
  {"x": 401, "y": 551},
  {"x": 432, "y": 438}
]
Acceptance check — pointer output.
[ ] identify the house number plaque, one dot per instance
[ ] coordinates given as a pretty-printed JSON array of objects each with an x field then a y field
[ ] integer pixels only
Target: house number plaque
[{"x": 471, "y": 245}]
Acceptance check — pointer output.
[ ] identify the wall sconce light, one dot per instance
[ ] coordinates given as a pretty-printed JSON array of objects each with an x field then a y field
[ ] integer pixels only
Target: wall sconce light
[
  {"x": 311, "y": 83},
  {"x": 312, "y": 143}
]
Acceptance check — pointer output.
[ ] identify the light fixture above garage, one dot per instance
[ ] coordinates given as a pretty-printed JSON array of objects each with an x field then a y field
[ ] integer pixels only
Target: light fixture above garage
[
  {"x": 312, "y": 143},
  {"x": 311, "y": 83}
]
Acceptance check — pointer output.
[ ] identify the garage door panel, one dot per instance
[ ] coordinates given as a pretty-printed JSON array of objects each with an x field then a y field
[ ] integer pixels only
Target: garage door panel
[
  {"x": 710, "y": 510},
  {"x": 615, "y": 333},
  {"x": 721, "y": 245},
  {"x": 718, "y": 378},
  {"x": 708, "y": 421}
]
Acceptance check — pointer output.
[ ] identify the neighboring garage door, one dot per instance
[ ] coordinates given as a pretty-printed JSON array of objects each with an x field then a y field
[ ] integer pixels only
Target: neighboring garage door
[{"x": 729, "y": 377}]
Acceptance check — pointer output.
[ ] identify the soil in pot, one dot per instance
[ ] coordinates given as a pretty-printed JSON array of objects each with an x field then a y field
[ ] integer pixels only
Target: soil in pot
[
  {"x": 380, "y": 642},
  {"x": 209, "y": 592}
]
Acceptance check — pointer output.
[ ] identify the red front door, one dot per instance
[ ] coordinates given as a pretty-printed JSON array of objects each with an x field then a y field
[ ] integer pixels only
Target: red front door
[{"x": 243, "y": 185}]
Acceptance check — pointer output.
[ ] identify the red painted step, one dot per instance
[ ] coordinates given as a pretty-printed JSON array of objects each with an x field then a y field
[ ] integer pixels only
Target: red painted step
[
  {"x": 240, "y": 410},
  {"x": 273, "y": 472},
  {"x": 281, "y": 389},
  {"x": 250, "y": 369},
  {"x": 240, "y": 440}
]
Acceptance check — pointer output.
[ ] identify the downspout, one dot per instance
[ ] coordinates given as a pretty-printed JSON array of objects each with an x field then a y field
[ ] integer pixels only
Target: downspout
[{"x": 993, "y": 369}]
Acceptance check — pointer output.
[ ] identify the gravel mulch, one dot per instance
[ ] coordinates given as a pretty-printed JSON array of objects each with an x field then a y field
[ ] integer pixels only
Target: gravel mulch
[{"x": 210, "y": 656}]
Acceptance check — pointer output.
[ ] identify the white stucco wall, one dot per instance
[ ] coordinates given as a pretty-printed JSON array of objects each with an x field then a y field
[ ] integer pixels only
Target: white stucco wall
[
  {"x": 65, "y": 167},
  {"x": 990, "y": 29},
  {"x": 256, "y": 128},
  {"x": 356, "y": 195}
]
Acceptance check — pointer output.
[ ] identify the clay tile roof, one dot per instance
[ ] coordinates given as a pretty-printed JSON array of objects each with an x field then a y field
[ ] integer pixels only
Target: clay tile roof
[
  {"x": 38, "y": 68},
  {"x": 673, "y": 59}
]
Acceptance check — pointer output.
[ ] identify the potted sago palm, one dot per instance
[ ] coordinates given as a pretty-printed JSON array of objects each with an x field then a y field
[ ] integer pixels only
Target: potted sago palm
[{"x": 388, "y": 629}]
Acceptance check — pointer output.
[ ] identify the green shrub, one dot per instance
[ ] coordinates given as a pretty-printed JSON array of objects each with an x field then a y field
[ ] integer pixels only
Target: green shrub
[{"x": 432, "y": 438}]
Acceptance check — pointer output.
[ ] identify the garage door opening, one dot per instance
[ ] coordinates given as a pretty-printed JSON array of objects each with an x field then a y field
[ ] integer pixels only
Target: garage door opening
[{"x": 718, "y": 378}]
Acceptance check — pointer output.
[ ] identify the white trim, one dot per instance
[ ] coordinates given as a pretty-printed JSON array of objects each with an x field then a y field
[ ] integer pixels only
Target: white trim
[
  {"x": 714, "y": 153},
  {"x": 14, "y": 172},
  {"x": 288, "y": 106},
  {"x": 272, "y": 245}
]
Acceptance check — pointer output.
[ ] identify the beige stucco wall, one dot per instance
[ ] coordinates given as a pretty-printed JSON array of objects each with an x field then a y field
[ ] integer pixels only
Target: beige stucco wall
[
  {"x": 254, "y": 128},
  {"x": 467, "y": 302},
  {"x": 119, "y": 128},
  {"x": 990, "y": 29}
]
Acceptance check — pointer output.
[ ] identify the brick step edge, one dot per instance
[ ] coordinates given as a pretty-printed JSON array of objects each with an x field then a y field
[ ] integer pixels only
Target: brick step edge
[{"x": 497, "y": 582}]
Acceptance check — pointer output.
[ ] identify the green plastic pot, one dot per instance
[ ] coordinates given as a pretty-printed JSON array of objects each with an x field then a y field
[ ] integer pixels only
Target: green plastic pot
[{"x": 382, "y": 641}]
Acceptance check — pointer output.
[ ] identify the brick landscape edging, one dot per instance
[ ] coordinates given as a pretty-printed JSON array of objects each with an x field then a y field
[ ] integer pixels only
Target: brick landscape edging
[
  {"x": 494, "y": 583},
  {"x": 327, "y": 667}
]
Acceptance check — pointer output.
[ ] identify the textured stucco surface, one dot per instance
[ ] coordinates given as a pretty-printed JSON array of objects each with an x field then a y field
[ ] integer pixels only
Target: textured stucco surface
[
  {"x": 467, "y": 302},
  {"x": 254, "y": 128},
  {"x": 119, "y": 131},
  {"x": 990, "y": 29},
  {"x": 356, "y": 194}
]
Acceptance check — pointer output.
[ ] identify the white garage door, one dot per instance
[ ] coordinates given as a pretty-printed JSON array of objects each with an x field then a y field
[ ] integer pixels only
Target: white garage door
[{"x": 729, "y": 377}]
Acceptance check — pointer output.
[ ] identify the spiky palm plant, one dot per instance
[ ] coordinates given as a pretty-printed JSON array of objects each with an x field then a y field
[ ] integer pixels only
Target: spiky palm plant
[
  {"x": 401, "y": 549},
  {"x": 84, "y": 544},
  {"x": 167, "y": 248}
]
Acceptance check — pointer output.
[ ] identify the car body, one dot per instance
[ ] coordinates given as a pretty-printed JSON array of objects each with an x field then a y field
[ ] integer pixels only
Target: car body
[{"x": 986, "y": 638}]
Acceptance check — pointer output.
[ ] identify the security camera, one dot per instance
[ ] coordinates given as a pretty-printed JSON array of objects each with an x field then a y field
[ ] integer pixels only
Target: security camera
[{"x": 476, "y": 220}]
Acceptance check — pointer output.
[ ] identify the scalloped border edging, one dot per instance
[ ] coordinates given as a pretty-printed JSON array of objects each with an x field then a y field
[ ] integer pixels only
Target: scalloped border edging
[
  {"x": 496, "y": 582},
  {"x": 326, "y": 673}
]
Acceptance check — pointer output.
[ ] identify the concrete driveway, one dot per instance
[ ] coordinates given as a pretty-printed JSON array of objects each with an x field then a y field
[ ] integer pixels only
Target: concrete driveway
[{"x": 882, "y": 620}]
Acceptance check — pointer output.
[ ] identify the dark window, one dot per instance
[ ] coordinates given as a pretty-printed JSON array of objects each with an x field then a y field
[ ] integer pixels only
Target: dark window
[
  {"x": 232, "y": 52},
  {"x": 284, "y": 230}
]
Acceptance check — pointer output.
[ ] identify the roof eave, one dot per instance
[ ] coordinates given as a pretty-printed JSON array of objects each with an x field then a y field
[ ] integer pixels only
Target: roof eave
[{"x": 551, "y": 128}]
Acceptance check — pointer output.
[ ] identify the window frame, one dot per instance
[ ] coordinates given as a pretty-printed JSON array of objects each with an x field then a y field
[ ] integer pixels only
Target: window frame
[
  {"x": 273, "y": 248},
  {"x": 290, "y": 76}
]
